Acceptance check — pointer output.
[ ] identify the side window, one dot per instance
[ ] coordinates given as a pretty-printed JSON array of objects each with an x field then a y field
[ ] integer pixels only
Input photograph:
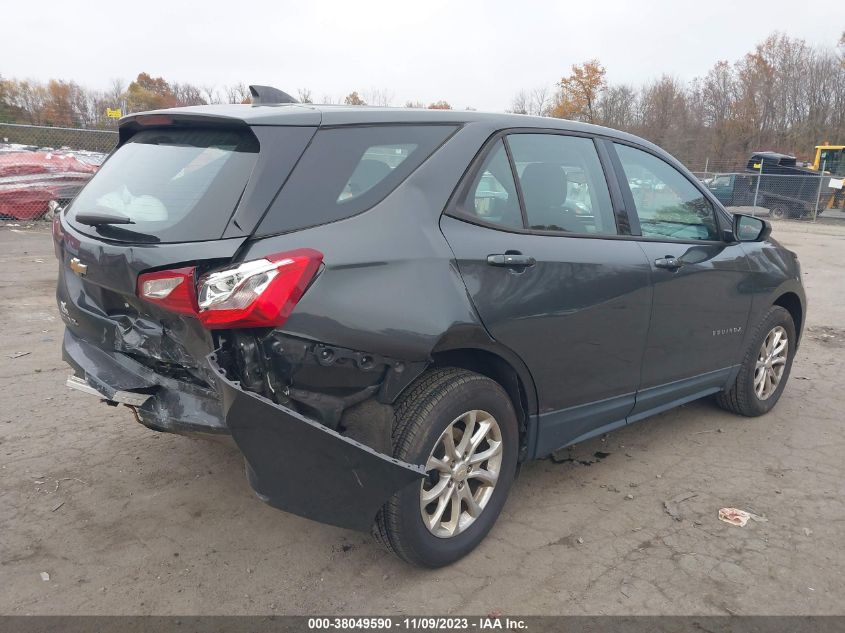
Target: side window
[
  {"x": 347, "y": 170},
  {"x": 492, "y": 196},
  {"x": 375, "y": 165},
  {"x": 563, "y": 184},
  {"x": 668, "y": 205}
]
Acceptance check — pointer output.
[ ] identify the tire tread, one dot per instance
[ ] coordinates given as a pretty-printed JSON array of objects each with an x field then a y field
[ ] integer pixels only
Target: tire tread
[
  {"x": 411, "y": 413},
  {"x": 737, "y": 399}
]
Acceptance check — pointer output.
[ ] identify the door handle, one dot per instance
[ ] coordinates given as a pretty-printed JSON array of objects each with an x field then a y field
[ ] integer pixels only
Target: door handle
[
  {"x": 668, "y": 262},
  {"x": 511, "y": 260}
]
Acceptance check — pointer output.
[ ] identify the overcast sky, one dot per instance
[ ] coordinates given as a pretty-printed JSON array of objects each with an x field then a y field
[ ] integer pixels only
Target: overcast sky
[{"x": 470, "y": 53}]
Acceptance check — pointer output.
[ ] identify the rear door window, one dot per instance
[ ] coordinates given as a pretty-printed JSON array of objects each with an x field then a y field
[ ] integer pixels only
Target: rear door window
[
  {"x": 347, "y": 170},
  {"x": 491, "y": 197},
  {"x": 175, "y": 184},
  {"x": 563, "y": 184}
]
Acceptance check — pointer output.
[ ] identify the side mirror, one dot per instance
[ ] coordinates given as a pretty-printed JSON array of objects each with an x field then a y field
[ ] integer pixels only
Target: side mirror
[
  {"x": 747, "y": 228},
  {"x": 53, "y": 207}
]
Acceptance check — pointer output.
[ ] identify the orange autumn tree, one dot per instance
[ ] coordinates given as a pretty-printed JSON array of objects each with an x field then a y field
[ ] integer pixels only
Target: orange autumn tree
[{"x": 579, "y": 91}]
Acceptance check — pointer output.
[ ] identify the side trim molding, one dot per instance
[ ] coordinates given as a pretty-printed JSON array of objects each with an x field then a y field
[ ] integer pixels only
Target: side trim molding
[
  {"x": 661, "y": 398},
  {"x": 559, "y": 429}
]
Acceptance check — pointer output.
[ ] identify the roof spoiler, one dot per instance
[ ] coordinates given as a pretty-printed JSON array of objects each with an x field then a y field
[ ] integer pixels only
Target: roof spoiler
[{"x": 263, "y": 95}]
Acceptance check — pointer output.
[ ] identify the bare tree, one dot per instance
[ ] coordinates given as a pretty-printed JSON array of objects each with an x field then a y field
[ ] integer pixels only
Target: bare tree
[
  {"x": 540, "y": 102},
  {"x": 378, "y": 97},
  {"x": 661, "y": 111},
  {"x": 519, "y": 105},
  {"x": 304, "y": 95},
  {"x": 617, "y": 107},
  {"x": 237, "y": 93},
  {"x": 188, "y": 94},
  {"x": 115, "y": 91},
  {"x": 536, "y": 102},
  {"x": 211, "y": 95}
]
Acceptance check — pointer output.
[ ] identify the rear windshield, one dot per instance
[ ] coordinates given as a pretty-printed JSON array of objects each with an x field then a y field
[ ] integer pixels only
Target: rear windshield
[
  {"x": 347, "y": 170},
  {"x": 175, "y": 184}
]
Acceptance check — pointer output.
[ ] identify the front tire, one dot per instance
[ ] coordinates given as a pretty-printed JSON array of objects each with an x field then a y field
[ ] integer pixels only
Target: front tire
[
  {"x": 462, "y": 426},
  {"x": 765, "y": 367}
]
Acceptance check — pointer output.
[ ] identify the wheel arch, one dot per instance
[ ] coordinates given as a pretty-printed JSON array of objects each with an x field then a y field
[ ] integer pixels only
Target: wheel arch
[
  {"x": 792, "y": 303},
  {"x": 508, "y": 370}
]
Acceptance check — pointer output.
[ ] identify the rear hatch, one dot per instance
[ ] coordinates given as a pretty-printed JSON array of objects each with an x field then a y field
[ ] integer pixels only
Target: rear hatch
[{"x": 193, "y": 189}]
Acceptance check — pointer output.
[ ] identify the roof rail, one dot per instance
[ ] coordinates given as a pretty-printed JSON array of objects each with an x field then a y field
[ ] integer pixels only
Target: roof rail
[{"x": 263, "y": 95}]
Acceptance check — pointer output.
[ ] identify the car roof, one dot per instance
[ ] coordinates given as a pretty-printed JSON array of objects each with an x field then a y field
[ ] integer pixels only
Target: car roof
[
  {"x": 332, "y": 115},
  {"x": 767, "y": 154}
]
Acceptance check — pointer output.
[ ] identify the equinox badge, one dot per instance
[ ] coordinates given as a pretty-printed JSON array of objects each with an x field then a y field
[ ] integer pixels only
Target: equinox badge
[{"x": 78, "y": 267}]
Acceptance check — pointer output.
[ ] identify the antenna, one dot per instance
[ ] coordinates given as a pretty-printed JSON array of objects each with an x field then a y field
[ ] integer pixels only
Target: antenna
[{"x": 263, "y": 95}]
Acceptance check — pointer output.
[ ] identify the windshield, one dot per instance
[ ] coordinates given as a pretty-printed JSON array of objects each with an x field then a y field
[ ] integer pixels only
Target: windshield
[{"x": 174, "y": 184}]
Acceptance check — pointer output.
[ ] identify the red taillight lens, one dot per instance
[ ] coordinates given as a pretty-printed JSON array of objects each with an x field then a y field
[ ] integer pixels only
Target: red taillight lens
[
  {"x": 171, "y": 289},
  {"x": 257, "y": 293}
]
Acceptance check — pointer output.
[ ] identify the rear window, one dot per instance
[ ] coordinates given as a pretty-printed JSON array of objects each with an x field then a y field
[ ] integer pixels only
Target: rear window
[
  {"x": 347, "y": 170},
  {"x": 175, "y": 184}
]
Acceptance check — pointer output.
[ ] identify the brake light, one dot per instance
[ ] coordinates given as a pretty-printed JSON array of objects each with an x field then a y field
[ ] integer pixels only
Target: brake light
[
  {"x": 257, "y": 293},
  {"x": 154, "y": 119},
  {"x": 171, "y": 289}
]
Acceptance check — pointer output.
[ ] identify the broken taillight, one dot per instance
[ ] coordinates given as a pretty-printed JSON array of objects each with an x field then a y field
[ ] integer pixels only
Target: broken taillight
[{"x": 257, "y": 293}]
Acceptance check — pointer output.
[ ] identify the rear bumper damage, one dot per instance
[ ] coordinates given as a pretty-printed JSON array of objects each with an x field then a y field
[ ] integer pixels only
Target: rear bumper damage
[
  {"x": 167, "y": 404},
  {"x": 303, "y": 467},
  {"x": 293, "y": 463}
]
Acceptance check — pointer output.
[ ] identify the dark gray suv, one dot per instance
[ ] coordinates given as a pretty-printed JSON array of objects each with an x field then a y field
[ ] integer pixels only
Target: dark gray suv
[{"x": 388, "y": 310}]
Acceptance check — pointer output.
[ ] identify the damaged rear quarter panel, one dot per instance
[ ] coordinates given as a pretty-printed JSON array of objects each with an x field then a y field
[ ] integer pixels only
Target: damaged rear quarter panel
[
  {"x": 389, "y": 285},
  {"x": 303, "y": 467}
]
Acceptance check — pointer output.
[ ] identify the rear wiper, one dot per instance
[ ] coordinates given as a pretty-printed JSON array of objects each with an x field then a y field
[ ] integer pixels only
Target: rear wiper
[
  {"x": 110, "y": 231},
  {"x": 96, "y": 219}
]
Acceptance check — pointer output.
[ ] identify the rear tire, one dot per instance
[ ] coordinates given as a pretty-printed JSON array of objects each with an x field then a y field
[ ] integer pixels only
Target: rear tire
[
  {"x": 755, "y": 390},
  {"x": 444, "y": 403},
  {"x": 779, "y": 211}
]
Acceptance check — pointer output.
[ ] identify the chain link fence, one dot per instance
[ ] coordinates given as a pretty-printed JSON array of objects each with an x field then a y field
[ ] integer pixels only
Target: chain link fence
[
  {"x": 779, "y": 196},
  {"x": 760, "y": 187},
  {"x": 39, "y": 164}
]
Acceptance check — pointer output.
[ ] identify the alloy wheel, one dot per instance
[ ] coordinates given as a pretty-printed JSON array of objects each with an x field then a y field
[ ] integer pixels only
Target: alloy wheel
[
  {"x": 771, "y": 361},
  {"x": 462, "y": 471}
]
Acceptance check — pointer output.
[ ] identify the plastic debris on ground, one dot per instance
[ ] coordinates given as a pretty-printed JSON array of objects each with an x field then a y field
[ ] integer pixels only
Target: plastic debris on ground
[{"x": 734, "y": 516}]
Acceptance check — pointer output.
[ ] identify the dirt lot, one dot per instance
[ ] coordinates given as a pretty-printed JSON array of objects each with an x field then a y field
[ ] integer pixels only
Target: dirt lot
[{"x": 127, "y": 521}]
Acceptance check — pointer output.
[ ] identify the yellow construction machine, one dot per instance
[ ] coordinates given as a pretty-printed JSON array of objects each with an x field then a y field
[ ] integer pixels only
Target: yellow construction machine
[{"x": 831, "y": 159}]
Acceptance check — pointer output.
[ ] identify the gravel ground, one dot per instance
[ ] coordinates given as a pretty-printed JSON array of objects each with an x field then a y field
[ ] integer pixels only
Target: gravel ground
[{"x": 128, "y": 521}]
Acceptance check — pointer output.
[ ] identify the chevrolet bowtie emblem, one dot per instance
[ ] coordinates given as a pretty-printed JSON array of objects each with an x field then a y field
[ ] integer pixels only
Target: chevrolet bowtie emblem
[{"x": 78, "y": 267}]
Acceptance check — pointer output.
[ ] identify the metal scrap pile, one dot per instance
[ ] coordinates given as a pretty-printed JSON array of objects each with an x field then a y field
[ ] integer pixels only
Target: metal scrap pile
[{"x": 30, "y": 177}]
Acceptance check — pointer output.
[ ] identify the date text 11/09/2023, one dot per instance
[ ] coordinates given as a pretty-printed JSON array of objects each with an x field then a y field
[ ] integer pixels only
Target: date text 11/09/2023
[{"x": 430, "y": 623}]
